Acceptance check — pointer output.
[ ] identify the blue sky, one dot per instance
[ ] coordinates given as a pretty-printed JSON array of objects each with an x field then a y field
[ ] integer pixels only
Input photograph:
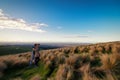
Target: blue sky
[{"x": 59, "y": 20}]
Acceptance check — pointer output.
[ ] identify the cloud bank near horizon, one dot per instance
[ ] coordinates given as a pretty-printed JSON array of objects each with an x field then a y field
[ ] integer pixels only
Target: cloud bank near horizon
[
  {"x": 76, "y": 36},
  {"x": 7, "y": 22}
]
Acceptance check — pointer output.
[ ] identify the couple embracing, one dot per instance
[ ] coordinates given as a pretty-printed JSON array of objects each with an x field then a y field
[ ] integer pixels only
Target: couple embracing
[{"x": 35, "y": 56}]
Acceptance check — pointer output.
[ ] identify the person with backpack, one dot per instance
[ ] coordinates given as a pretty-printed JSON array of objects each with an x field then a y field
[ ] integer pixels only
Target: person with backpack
[
  {"x": 32, "y": 55},
  {"x": 37, "y": 54}
]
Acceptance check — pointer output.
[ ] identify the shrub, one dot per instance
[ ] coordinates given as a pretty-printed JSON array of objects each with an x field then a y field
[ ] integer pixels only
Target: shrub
[
  {"x": 96, "y": 62},
  {"x": 77, "y": 50}
]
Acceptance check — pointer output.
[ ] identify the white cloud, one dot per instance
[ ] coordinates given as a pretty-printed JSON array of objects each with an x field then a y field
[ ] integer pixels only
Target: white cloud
[
  {"x": 1, "y": 12},
  {"x": 43, "y": 24},
  {"x": 6, "y": 22},
  {"x": 76, "y": 36}
]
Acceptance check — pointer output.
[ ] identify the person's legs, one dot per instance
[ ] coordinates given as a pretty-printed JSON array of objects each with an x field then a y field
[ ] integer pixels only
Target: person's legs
[
  {"x": 36, "y": 61},
  {"x": 32, "y": 58}
]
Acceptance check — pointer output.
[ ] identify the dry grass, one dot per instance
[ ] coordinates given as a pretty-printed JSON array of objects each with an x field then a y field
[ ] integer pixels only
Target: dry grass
[
  {"x": 92, "y": 50},
  {"x": 85, "y": 70},
  {"x": 1, "y": 74},
  {"x": 72, "y": 59},
  {"x": 107, "y": 47},
  {"x": 100, "y": 49},
  {"x": 3, "y": 66},
  {"x": 62, "y": 72},
  {"x": 61, "y": 58},
  {"x": 108, "y": 61},
  {"x": 75, "y": 59},
  {"x": 48, "y": 64},
  {"x": 36, "y": 77},
  {"x": 70, "y": 74},
  {"x": 12, "y": 60},
  {"x": 110, "y": 65},
  {"x": 18, "y": 78},
  {"x": 116, "y": 48}
]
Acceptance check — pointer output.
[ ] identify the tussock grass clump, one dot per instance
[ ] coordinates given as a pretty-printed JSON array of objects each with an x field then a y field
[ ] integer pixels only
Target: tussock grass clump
[
  {"x": 93, "y": 51},
  {"x": 17, "y": 78},
  {"x": 116, "y": 48},
  {"x": 111, "y": 64},
  {"x": 85, "y": 70},
  {"x": 62, "y": 72},
  {"x": 108, "y": 61},
  {"x": 65, "y": 72},
  {"x": 70, "y": 74},
  {"x": 91, "y": 73},
  {"x": 66, "y": 50},
  {"x": 77, "y": 50},
  {"x": 48, "y": 64},
  {"x": 61, "y": 58},
  {"x": 100, "y": 49},
  {"x": 73, "y": 60},
  {"x": 36, "y": 77},
  {"x": 82, "y": 49},
  {"x": 3, "y": 66},
  {"x": 96, "y": 62},
  {"x": 108, "y": 48}
]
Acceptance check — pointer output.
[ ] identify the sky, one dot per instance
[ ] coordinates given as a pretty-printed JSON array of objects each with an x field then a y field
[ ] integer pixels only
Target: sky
[{"x": 59, "y": 20}]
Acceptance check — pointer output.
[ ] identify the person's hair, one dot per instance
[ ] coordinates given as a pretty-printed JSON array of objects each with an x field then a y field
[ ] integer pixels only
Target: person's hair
[{"x": 35, "y": 44}]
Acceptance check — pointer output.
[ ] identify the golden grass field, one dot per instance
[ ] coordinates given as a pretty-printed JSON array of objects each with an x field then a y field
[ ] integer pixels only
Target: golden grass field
[{"x": 85, "y": 62}]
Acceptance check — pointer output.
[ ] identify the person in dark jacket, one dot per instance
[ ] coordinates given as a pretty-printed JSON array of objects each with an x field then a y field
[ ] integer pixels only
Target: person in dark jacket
[{"x": 37, "y": 54}]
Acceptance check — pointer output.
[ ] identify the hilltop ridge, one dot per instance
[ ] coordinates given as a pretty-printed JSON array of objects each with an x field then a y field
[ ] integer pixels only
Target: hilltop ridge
[{"x": 99, "y": 61}]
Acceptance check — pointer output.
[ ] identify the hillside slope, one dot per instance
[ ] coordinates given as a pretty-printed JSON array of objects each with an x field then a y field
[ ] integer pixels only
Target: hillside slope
[{"x": 87, "y": 62}]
